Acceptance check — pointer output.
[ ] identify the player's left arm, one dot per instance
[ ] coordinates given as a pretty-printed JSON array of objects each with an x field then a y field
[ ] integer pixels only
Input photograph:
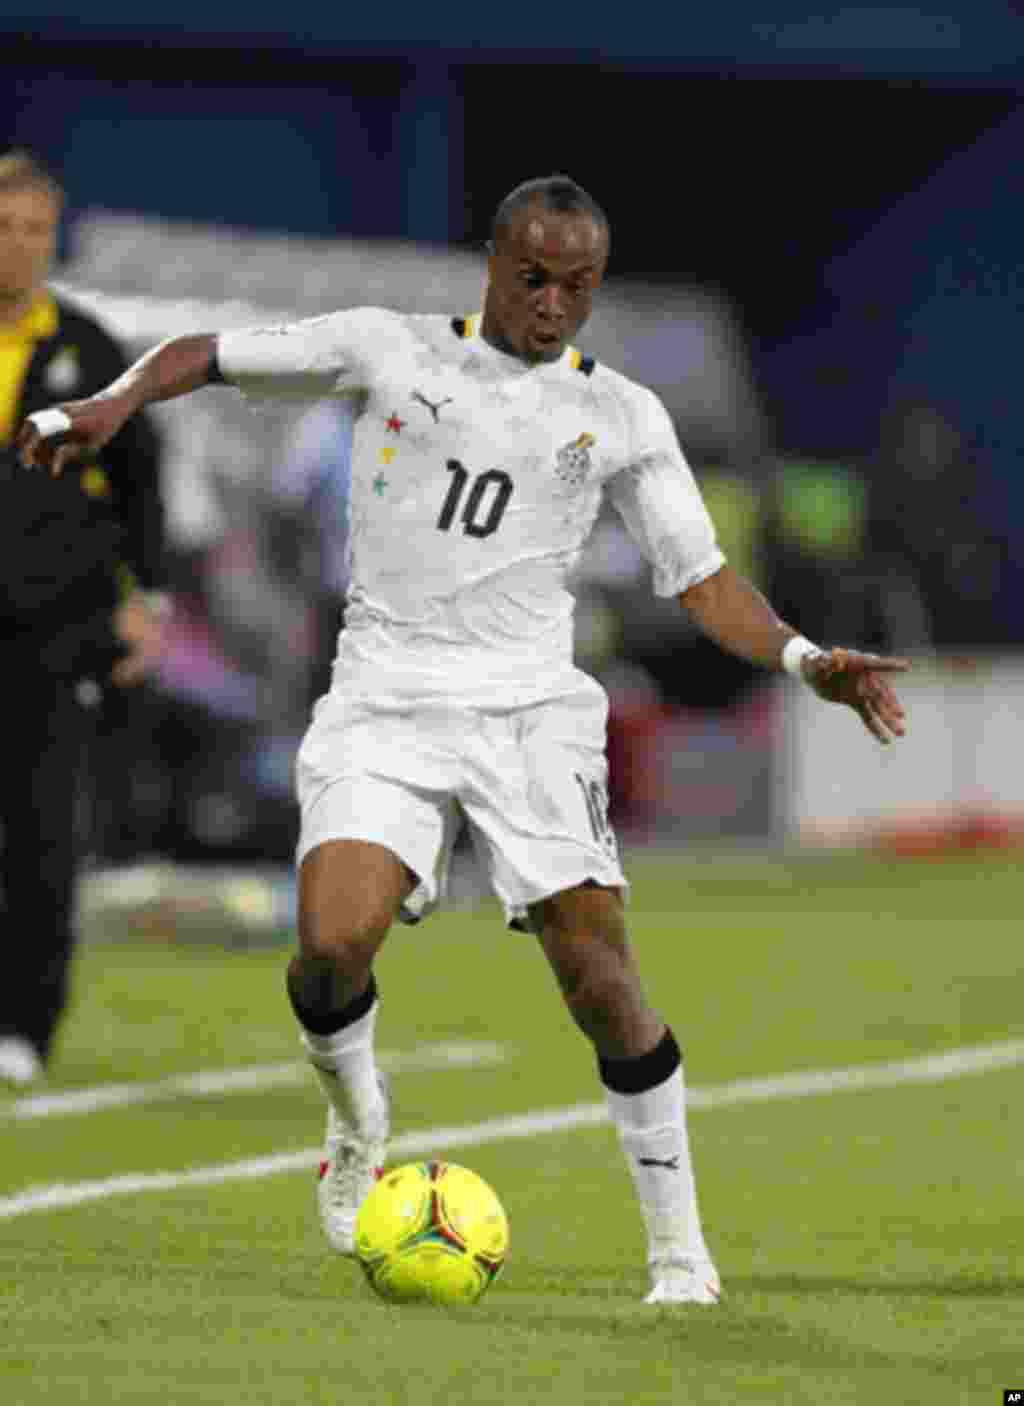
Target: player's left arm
[
  {"x": 662, "y": 507},
  {"x": 729, "y": 609}
]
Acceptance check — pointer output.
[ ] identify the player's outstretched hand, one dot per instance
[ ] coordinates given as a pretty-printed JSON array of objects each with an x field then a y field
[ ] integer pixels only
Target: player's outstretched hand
[
  {"x": 847, "y": 676},
  {"x": 52, "y": 439}
]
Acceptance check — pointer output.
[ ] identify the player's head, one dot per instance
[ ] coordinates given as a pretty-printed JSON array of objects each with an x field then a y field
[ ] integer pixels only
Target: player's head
[
  {"x": 30, "y": 205},
  {"x": 548, "y": 251}
]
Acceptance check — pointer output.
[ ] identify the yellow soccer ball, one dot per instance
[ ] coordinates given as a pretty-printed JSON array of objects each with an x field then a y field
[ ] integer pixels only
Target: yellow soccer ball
[{"x": 431, "y": 1231}]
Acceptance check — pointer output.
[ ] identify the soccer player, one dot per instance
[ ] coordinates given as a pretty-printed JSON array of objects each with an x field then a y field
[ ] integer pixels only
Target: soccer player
[{"x": 483, "y": 446}]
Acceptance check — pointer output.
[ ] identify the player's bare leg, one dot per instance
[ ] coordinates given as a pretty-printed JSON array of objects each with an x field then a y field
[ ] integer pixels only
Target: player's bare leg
[
  {"x": 350, "y": 892},
  {"x": 583, "y": 934}
]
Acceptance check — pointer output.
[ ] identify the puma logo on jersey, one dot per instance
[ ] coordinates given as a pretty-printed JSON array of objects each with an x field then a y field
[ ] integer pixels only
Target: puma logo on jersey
[{"x": 432, "y": 406}]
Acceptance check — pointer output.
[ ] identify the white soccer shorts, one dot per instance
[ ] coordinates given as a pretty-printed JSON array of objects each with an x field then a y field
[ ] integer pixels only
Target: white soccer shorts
[{"x": 531, "y": 783}]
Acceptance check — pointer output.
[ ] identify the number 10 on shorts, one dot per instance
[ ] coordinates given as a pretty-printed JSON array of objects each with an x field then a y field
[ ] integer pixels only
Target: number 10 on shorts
[{"x": 595, "y": 798}]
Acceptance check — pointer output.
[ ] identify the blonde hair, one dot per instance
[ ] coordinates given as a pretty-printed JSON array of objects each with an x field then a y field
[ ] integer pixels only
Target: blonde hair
[{"x": 19, "y": 170}]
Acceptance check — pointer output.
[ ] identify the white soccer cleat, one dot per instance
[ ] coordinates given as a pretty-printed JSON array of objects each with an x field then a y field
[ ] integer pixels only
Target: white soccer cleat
[
  {"x": 19, "y": 1062},
  {"x": 351, "y": 1165},
  {"x": 684, "y": 1280}
]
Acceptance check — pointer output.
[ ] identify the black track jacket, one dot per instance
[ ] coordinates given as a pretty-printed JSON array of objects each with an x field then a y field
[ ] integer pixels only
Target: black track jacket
[{"x": 71, "y": 547}]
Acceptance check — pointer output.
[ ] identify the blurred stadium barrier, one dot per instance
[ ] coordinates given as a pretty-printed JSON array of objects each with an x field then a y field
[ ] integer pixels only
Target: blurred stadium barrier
[
  {"x": 173, "y": 903},
  {"x": 955, "y": 781}
]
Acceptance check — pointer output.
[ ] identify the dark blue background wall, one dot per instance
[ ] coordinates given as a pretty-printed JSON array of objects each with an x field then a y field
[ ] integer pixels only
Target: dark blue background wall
[{"x": 978, "y": 41}]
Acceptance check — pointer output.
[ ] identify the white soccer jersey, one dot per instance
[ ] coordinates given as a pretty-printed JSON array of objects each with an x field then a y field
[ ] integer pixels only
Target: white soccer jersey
[{"x": 475, "y": 482}]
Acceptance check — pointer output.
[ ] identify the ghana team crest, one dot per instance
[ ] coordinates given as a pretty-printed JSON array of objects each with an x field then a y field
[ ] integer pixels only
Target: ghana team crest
[{"x": 572, "y": 462}]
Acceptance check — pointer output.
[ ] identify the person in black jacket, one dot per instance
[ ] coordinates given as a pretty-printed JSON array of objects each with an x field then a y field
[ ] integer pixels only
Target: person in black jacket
[{"x": 80, "y": 564}]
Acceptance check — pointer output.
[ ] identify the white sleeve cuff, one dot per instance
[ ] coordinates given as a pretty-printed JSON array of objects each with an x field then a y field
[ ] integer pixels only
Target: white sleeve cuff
[{"x": 673, "y": 577}]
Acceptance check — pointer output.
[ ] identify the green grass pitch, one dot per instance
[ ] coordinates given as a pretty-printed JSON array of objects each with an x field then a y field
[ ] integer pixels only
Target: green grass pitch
[{"x": 869, "y": 1242}]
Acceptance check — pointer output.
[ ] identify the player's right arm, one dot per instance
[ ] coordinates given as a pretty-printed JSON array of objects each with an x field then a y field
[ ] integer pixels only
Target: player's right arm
[
  {"x": 79, "y": 429},
  {"x": 319, "y": 357}
]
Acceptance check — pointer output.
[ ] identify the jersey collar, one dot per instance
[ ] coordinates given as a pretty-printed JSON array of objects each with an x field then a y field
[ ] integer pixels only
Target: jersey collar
[{"x": 468, "y": 330}]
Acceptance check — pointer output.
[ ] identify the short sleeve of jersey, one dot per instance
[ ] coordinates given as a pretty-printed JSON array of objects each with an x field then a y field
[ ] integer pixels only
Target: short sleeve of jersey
[
  {"x": 321, "y": 356},
  {"x": 659, "y": 501}
]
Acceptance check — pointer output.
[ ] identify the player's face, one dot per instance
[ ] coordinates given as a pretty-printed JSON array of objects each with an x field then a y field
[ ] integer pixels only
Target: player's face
[
  {"x": 543, "y": 275},
  {"x": 28, "y": 242}
]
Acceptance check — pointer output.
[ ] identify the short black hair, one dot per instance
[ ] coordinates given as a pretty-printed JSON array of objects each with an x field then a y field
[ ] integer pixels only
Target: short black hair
[{"x": 559, "y": 193}]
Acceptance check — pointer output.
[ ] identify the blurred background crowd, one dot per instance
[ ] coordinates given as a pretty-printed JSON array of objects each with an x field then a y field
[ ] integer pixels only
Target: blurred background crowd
[{"x": 816, "y": 262}]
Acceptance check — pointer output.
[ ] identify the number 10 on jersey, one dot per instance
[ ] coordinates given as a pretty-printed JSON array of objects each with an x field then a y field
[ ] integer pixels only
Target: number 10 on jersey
[{"x": 485, "y": 503}]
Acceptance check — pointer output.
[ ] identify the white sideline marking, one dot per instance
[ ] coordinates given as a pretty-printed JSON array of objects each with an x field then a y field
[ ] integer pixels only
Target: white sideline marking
[
  {"x": 208, "y": 1083},
  {"x": 953, "y": 1064}
]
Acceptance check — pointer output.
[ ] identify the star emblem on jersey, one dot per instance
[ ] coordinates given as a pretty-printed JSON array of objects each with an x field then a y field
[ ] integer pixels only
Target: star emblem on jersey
[
  {"x": 394, "y": 424},
  {"x": 572, "y": 462},
  {"x": 433, "y": 406}
]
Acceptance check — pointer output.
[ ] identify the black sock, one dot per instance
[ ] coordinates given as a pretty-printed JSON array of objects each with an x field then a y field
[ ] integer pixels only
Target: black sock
[
  {"x": 321, "y": 1018},
  {"x": 642, "y": 1072}
]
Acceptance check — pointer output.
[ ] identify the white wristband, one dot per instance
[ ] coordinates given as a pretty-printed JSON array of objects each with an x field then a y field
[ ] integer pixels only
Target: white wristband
[
  {"x": 51, "y": 422},
  {"x": 795, "y": 652}
]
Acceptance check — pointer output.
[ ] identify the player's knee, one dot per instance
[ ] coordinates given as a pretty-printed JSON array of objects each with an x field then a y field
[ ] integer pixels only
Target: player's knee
[
  {"x": 600, "y": 993},
  {"x": 349, "y": 895},
  {"x": 347, "y": 936}
]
